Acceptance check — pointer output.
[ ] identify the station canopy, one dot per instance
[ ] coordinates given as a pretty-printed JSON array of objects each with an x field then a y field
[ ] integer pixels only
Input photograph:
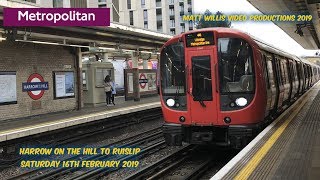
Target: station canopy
[{"x": 310, "y": 30}]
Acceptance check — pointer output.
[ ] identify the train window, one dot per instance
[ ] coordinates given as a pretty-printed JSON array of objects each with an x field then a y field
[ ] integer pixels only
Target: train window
[
  {"x": 284, "y": 71},
  {"x": 172, "y": 68},
  {"x": 201, "y": 79},
  {"x": 236, "y": 69},
  {"x": 265, "y": 70},
  {"x": 302, "y": 73},
  {"x": 270, "y": 72},
  {"x": 282, "y": 77},
  {"x": 305, "y": 73},
  {"x": 279, "y": 72},
  {"x": 290, "y": 71},
  {"x": 295, "y": 74}
]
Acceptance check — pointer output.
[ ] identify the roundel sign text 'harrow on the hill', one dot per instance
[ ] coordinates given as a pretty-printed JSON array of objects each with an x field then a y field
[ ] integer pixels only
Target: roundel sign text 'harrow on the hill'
[
  {"x": 143, "y": 80},
  {"x": 35, "y": 86}
]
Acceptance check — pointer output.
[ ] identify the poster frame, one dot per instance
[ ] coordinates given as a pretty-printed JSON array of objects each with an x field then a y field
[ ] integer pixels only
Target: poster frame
[
  {"x": 10, "y": 73},
  {"x": 55, "y": 87},
  {"x": 129, "y": 95}
]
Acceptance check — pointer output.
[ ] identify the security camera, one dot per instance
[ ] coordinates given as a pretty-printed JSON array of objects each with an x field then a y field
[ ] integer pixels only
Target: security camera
[{"x": 299, "y": 29}]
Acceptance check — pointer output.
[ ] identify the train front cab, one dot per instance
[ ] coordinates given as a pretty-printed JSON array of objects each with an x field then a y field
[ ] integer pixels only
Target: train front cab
[{"x": 209, "y": 92}]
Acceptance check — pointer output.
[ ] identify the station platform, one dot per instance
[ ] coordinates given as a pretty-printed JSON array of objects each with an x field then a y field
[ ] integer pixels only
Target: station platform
[
  {"x": 17, "y": 128},
  {"x": 289, "y": 148}
]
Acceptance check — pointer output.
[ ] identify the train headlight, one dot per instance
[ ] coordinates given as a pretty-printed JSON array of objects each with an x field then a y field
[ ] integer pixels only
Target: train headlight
[
  {"x": 170, "y": 102},
  {"x": 241, "y": 101}
]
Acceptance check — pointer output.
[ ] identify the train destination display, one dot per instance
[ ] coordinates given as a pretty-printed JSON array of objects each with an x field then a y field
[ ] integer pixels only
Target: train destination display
[{"x": 199, "y": 39}]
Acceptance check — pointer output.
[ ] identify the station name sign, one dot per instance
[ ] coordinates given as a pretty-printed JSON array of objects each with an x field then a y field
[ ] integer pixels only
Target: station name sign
[
  {"x": 199, "y": 39},
  {"x": 34, "y": 86},
  {"x": 14, "y": 17}
]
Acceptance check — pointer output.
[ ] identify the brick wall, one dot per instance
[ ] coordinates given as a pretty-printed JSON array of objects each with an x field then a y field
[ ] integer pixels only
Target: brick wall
[{"x": 26, "y": 59}]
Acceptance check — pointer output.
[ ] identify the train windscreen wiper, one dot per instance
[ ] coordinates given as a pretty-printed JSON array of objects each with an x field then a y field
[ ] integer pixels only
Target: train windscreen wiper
[
  {"x": 202, "y": 103},
  {"x": 201, "y": 99}
]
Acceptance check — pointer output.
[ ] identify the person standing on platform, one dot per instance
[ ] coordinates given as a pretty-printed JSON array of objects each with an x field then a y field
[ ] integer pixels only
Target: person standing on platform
[
  {"x": 114, "y": 92},
  {"x": 108, "y": 89}
]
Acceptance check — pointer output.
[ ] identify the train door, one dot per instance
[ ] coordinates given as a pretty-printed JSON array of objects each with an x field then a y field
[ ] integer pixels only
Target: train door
[{"x": 203, "y": 100}]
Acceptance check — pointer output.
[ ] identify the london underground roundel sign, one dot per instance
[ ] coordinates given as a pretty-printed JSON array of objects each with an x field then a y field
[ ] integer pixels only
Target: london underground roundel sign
[
  {"x": 35, "y": 86},
  {"x": 143, "y": 80}
]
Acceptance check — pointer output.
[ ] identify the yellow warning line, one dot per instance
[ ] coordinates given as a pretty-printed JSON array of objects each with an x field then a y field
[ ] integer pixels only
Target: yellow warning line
[{"x": 255, "y": 160}]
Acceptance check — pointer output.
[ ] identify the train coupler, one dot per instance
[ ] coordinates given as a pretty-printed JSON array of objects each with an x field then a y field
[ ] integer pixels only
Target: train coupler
[
  {"x": 172, "y": 134},
  {"x": 201, "y": 137}
]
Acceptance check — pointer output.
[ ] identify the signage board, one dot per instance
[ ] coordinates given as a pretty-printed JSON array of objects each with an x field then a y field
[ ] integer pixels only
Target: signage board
[{"x": 199, "y": 39}]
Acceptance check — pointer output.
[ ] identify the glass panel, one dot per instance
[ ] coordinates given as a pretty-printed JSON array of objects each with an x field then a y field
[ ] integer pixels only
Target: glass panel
[
  {"x": 32, "y": 1},
  {"x": 201, "y": 78},
  {"x": 235, "y": 65},
  {"x": 265, "y": 70},
  {"x": 129, "y": 4},
  {"x": 172, "y": 69},
  {"x": 131, "y": 17},
  {"x": 145, "y": 15},
  {"x": 84, "y": 80},
  {"x": 295, "y": 71},
  {"x": 100, "y": 75},
  {"x": 143, "y": 3},
  {"x": 280, "y": 81},
  {"x": 57, "y": 3},
  {"x": 284, "y": 71},
  {"x": 270, "y": 72}
]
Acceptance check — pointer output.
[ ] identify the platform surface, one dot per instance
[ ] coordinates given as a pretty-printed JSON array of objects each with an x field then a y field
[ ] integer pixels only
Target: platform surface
[
  {"x": 16, "y": 128},
  {"x": 288, "y": 149}
]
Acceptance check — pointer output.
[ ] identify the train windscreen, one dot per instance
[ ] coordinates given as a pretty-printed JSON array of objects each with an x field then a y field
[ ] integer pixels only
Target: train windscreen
[
  {"x": 201, "y": 79},
  {"x": 236, "y": 71},
  {"x": 172, "y": 69}
]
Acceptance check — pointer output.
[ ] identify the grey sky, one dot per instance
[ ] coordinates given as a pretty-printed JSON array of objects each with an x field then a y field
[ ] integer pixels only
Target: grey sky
[{"x": 267, "y": 31}]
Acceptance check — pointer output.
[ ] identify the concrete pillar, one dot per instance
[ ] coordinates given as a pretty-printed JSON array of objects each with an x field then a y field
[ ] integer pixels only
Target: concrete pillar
[
  {"x": 145, "y": 63},
  {"x": 127, "y": 64},
  {"x": 145, "y": 57},
  {"x": 136, "y": 85},
  {"x": 105, "y": 57}
]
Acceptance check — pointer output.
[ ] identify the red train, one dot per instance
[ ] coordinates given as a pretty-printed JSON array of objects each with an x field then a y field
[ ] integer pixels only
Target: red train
[{"x": 221, "y": 86}]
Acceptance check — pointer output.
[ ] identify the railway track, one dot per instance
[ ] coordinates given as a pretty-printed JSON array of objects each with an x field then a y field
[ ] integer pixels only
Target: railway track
[
  {"x": 154, "y": 135},
  {"x": 62, "y": 137},
  {"x": 182, "y": 164},
  {"x": 177, "y": 156},
  {"x": 190, "y": 162},
  {"x": 96, "y": 173}
]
